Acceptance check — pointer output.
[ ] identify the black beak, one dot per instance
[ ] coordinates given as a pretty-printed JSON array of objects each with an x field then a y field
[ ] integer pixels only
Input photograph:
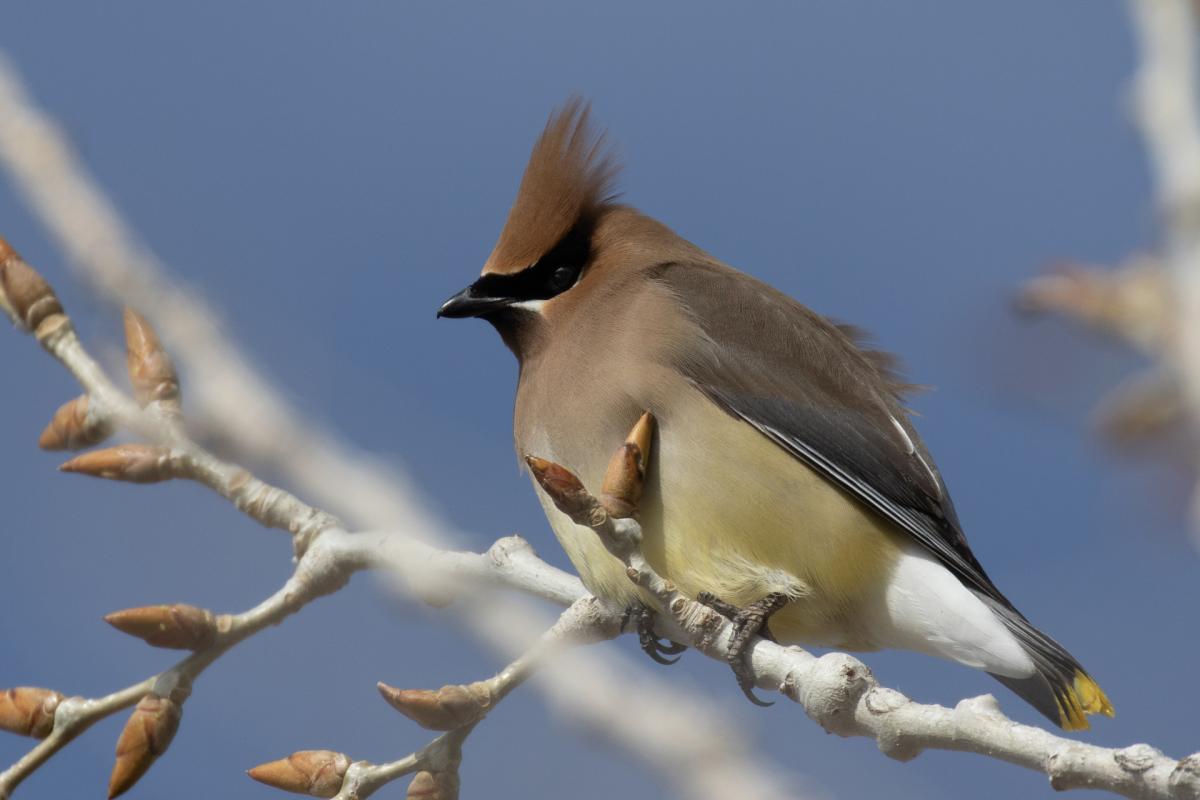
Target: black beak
[{"x": 471, "y": 302}]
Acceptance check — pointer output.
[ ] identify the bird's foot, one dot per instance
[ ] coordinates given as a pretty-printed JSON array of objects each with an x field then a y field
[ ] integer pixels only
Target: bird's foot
[
  {"x": 657, "y": 649},
  {"x": 747, "y": 622}
]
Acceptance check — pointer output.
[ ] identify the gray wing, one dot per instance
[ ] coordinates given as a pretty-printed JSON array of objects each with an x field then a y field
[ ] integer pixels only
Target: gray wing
[{"x": 805, "y": 383}]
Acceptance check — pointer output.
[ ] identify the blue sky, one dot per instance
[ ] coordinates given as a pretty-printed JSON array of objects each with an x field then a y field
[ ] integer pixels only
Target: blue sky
[{"x": 326, "y": 174}]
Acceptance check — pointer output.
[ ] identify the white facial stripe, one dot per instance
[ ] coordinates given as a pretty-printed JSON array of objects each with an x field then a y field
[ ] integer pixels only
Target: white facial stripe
[{"x": 530, "y": 305}]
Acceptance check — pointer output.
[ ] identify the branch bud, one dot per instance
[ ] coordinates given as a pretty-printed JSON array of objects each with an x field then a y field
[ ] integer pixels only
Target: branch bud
[
  {"x": 444, "y": 710},
  {"x": 74, "y": 427},
  {"x": 7, "y": 254},
  {"x": 623, "y": 481},
  {"x": 136, "y": 463},
  {"x": 150, "y": 368},
  {"x": 567, "y": 492},
  {"x": 28, "y": 711},
  {"x": 434, "y": 786},
  {"x": 24, "y": 294},
  {"x": 177, "y": 627},
  {"x": 146, "y": 736},
  {"x": 1132, "y": 301},
  {"x": 626, "y": 474},
  {"x": 317, "y": 773}
]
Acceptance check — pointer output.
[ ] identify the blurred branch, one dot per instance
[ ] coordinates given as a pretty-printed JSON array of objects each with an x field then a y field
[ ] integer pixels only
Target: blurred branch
[
  {"x": 1145, "y": 405},
  {"x": 230, "y": 397},
  {"x": 694, "y": 749},
  {"x": 1153, "y": 302},
  {"x": 1130, "y": 303},
  {"x": 1133, "y": 305},
  {"x": 1167, "y": 114},
  {"x": 327, "y": 557},
  {"x": 228, "y": 393}
]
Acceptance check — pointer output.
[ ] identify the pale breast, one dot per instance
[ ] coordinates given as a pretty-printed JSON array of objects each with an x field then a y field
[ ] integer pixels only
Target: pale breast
[
  {"x": 733, "y": 514},
  {"x": 725, "y": 509}
]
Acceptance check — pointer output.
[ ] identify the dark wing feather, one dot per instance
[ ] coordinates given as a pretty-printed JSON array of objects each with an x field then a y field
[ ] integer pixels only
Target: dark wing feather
[{"x": 803, "y": 382}]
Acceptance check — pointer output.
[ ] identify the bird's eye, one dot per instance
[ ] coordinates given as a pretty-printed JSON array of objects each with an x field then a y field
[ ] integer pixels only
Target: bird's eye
[{"x": 562, "y": 278}]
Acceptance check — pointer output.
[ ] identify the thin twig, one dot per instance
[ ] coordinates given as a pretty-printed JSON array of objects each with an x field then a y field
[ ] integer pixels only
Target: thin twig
[
  {"x": 317, "y": 573},
  {"x": 434, "y": 575},
  {"x": 578, "y": 624},
  {"x": 231, "y": 399}
]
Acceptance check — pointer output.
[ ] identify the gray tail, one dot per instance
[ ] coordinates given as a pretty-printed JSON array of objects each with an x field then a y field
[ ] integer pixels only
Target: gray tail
[{"x": 1060, "y": 688}]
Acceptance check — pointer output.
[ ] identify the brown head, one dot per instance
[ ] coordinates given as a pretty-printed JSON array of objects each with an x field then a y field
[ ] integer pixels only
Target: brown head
[
  {"x": 564, "y": 237},
  {"x": 547, "y": 241},
  {"x": 568, "y": 183}
]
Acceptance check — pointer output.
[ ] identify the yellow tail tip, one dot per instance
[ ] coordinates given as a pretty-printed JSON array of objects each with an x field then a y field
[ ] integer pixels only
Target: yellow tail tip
[{"x": 1083, "y": 697}]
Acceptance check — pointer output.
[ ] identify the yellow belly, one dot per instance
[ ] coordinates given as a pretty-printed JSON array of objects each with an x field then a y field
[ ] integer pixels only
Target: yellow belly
[{"x": 729, "y": 512}]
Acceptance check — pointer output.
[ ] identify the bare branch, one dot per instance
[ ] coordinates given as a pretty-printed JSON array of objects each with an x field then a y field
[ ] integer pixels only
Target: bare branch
[
  {"x": 432, "y": 574},
  {"x": 836, "y": 690},
  {"x": 1152, "y": 302},
  {"x": 231, "y": 398},
  {"x": 840, "y": 693},
  {"x": 1167, "y": 113},
  {"x": 227, "y": 394},
  {"x": 318, "y": 572},
  {"x": 1131, "y": 302},
  {"x": 458, "y": 709}
]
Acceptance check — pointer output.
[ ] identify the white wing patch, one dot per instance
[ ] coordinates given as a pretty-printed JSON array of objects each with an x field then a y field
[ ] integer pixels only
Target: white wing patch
[
  {"x": 908, "y": 442},
  {"x": 926, "y": 609},
  {"x": 912, "y": 450}
]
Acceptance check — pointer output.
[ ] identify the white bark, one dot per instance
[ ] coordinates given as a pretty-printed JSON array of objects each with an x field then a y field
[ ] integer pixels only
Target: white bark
[
  {"x": 233, "y": 400},
  {"x": 836, "y": 690}
]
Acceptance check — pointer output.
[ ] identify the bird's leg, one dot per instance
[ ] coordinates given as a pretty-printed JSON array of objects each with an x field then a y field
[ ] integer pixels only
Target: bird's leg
[
  {"x": 657, "y": 649},
  {"x": 747, "y": 622}
]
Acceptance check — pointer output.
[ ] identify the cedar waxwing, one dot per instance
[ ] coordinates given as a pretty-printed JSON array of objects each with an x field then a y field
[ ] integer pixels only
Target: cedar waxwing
[{"x": 787, "y": 480}]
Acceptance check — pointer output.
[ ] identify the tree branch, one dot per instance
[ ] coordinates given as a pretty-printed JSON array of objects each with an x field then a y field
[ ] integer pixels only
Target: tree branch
[
  {"x": 228, "y": 396},
  {"x": 838, "y": 691},
  {"x": 235, "y": 403},
  {"x": 1152, "y": 302},
  {"x": 327, "y": 557},
  {"x": 1165, "y": 108},
  {"x": 454, "y": 709},
  {"x": 318, "y": 572}
]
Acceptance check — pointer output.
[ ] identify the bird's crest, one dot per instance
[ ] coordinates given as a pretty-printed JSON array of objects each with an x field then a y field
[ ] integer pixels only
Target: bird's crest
[{"x": 568, "y": 179}]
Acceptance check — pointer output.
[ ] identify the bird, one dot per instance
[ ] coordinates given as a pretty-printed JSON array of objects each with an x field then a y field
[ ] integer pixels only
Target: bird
[{"x": 787, "y": 486}]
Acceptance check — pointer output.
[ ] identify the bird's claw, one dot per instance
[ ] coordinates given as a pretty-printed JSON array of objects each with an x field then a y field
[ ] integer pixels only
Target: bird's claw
[
  {"x": 650, "y": 643},
  {"x": 747, "y": 622}
]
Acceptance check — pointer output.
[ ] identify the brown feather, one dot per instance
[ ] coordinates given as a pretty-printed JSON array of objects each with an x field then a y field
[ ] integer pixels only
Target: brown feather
[
  {"x": 886, "y": 365},
  {"x": 569, "y": 177}
]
